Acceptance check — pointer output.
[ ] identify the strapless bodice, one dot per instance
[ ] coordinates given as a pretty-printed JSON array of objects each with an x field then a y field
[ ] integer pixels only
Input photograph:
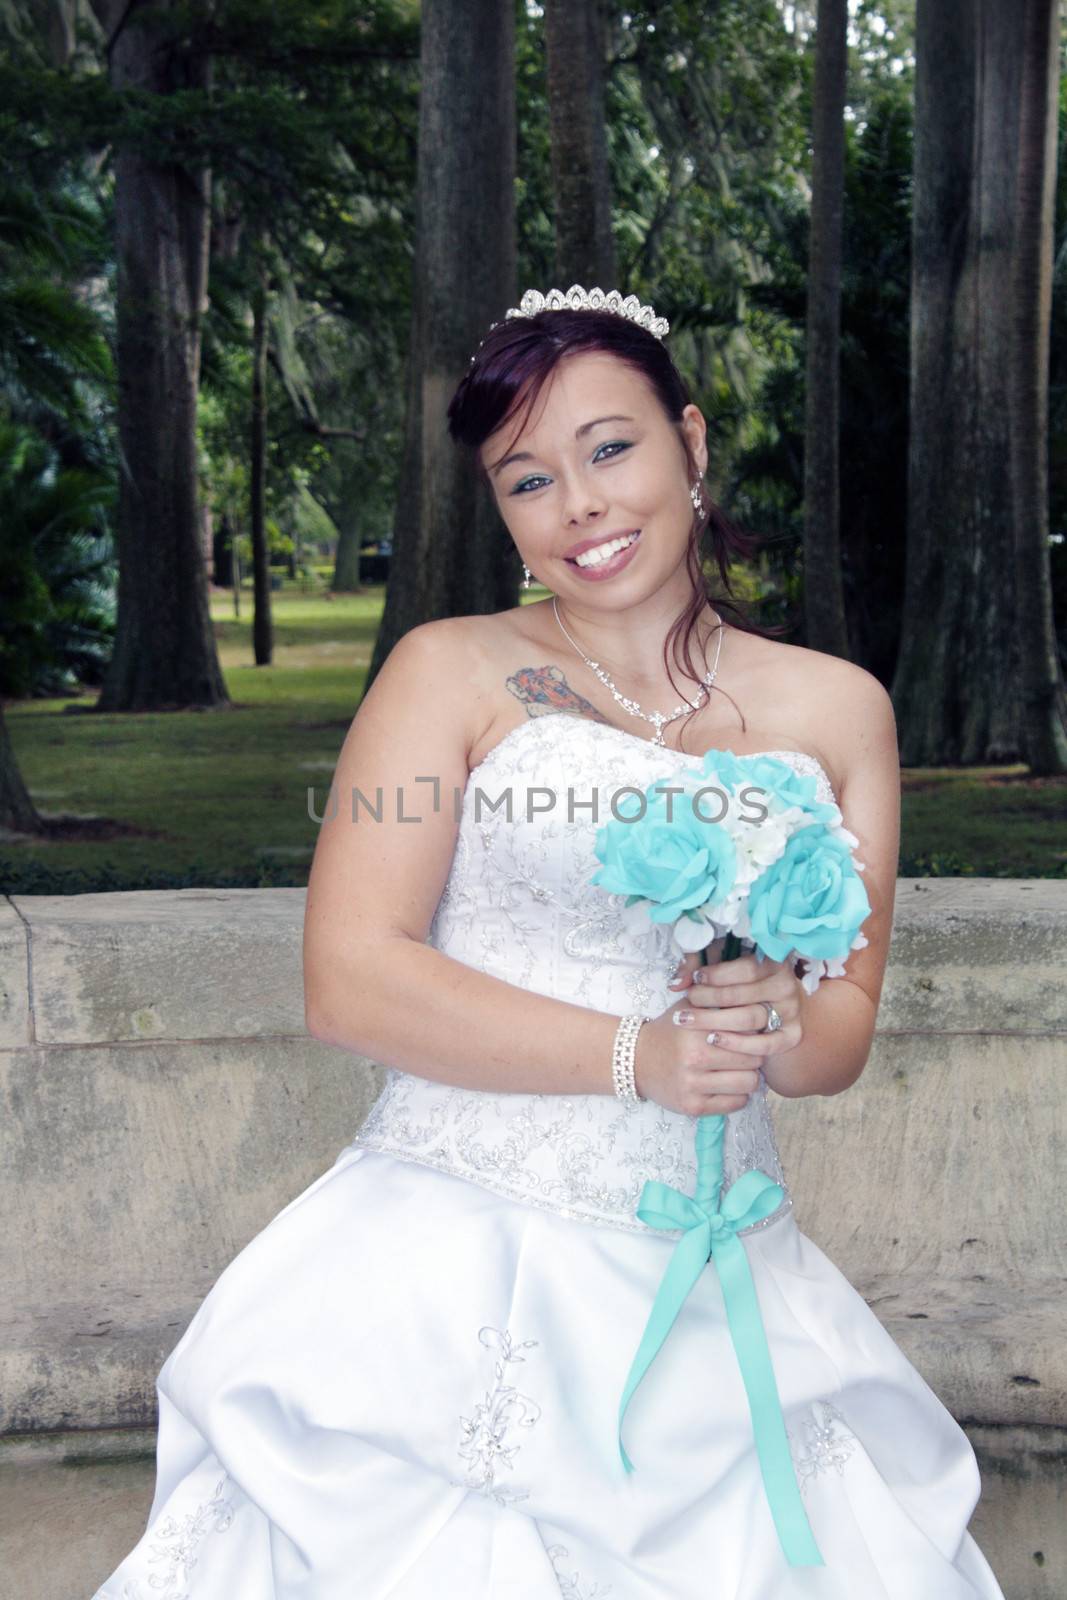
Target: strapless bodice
[{"x": 519, "y": 905}]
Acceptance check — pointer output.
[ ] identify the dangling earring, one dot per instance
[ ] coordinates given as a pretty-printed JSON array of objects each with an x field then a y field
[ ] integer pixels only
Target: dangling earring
[
  {"x": 526, "y": 576},
  {"x": 697, "y": 497}
]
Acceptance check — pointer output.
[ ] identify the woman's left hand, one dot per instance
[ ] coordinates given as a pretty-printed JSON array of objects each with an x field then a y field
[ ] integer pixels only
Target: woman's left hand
[{"x": 724, "y": 997}]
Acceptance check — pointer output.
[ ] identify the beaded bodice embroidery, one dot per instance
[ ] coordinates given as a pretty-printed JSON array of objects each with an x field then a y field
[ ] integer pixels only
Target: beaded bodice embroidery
[{"x": 519, "y": 904}]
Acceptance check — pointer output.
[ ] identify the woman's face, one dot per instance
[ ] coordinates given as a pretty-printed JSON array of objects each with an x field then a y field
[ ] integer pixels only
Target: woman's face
[{"x": 599, "y": 461}]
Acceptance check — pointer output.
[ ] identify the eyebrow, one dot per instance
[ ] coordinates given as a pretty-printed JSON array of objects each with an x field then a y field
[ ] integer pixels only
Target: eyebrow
[{"x": 524, "y": 455}]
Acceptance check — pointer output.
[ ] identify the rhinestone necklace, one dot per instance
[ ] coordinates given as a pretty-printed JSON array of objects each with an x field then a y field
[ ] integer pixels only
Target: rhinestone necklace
[{"x": 657, "y": 718}]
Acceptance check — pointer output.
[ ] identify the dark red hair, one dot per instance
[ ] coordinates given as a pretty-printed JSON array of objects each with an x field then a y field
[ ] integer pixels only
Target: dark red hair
[{"x": 516, "y": 359}]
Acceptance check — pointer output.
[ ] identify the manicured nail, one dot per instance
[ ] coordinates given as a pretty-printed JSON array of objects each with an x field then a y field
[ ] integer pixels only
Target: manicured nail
[
  {"x": 683, "y": 1017},
  {"x": 712, "y": 1037}
]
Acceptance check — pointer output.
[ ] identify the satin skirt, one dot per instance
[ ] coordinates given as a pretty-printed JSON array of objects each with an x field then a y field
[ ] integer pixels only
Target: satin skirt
[{"x": 407, "y": 1387}]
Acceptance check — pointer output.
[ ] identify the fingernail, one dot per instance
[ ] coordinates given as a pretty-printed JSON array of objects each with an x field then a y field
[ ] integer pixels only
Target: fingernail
[
  {"x": 683, "y": 1017},
  {"x": 698, "y": 975},
  {"x": 712, "y": 1037}
]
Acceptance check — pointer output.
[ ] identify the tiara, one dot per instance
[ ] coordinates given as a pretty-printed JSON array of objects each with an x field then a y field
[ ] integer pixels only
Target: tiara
[{"x": 578, "y": 299}]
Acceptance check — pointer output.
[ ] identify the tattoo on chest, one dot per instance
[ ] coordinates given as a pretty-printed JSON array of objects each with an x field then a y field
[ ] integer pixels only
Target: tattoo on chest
[{"x": 545, "y": 689}]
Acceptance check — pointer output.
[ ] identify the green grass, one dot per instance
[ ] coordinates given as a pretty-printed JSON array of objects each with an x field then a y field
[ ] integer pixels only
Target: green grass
[{"x": 220, "y": 798}]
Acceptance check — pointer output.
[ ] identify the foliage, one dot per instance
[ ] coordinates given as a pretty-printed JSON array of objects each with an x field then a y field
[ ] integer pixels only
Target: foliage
[
  {"x": 309, "y": 127},
  {"x": 56, "y": 446},
  {"x": 56, "y": 568},
  {"x": 768, "y": 469}
]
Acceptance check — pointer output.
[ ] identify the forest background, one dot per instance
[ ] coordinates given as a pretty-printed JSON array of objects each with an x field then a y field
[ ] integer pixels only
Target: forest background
[{"x": 243, "y": 247}]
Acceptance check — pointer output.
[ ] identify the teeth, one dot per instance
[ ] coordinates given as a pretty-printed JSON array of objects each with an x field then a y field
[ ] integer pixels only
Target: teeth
[{"x": 603, "y": 552}]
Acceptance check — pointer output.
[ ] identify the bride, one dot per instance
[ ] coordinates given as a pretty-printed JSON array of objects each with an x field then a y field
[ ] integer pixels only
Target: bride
[{"x": 407, "y": 1386}]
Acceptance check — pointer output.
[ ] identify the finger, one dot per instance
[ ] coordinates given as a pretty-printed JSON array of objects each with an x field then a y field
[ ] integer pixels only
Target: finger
[
  {"x": 728, "y": 1019},
  {"x": 699, "y": 1010},
  {"x": 693, "y": 962},
  {"x": 708, "y": 1000},
  {"x": 682, "y": 979},
  {"x": 744, "y": 970},
  {"x": 731, "y": 1078},
  {"x": 722, "y": 993},
  {"x": 747, "y": 1044}
]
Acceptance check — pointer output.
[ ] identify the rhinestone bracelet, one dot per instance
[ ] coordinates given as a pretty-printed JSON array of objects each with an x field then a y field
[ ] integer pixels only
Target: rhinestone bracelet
[{"x": 622, "y": 1058}]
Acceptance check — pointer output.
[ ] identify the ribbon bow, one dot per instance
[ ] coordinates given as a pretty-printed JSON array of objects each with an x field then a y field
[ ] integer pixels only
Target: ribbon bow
[{"x": 711, "y": 1232}]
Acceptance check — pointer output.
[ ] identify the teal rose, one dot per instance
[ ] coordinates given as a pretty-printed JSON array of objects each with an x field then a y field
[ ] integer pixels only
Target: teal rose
[
  {"x": 725, "y": 769},
  {"x": 810, "y": 900},
  {"x": 786, "y": 786},
  {"x": 676, "y": 864},
  {"x": 779, "y": 783}
]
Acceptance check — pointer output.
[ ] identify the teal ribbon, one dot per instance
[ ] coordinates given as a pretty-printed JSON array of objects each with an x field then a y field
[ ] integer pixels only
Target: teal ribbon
[{"x": 711, "y": 1233}]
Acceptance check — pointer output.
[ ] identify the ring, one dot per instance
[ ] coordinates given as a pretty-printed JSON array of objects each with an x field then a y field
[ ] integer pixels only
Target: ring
[{"x": 774, "y": 1021}]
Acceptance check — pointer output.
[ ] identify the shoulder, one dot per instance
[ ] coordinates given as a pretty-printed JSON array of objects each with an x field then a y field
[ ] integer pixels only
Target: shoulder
[
  {"x": 844, "y": 687},
  {"x": 856, "y": 706},
  {"x": 474, "y": 632},
  {"x": 472, "y": 642},
  {"x": 843, "y": 713},
  {"x": 445, "y": 646},
  {"x": 451, "y": 663},
  {"x": 853, "y": 712}
]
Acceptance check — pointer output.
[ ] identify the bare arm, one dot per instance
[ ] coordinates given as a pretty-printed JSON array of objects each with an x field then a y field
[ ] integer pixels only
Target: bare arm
[
  {"x": 828, "y": 1036},
  {"x": 839, "y": 1018},
  {"x": 371, "y": 983}
]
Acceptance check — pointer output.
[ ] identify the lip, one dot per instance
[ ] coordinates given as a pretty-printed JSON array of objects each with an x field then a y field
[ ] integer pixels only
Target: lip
[
  {"x": 591, "y": 544},
  {"x": 608, "y": 569}
]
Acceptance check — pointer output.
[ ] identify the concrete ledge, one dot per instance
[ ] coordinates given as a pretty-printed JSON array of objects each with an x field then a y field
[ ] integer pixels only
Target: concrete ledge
[
  {"x": 976, "y": 955},
  {"x": 162, "y": 1101},
  {"x": 132, "y": 1175},
  {"x": 969, "y": 954},
  {"x": 158, "y": 964}
]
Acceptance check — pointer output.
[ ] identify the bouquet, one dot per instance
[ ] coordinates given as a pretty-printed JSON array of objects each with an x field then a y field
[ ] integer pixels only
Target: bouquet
[
  {"x": 775, "y": 869},
  {"x": 739, "y": 846}
]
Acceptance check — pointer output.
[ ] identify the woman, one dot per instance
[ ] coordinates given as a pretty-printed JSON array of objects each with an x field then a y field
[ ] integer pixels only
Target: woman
[{"x": 407, "y": 1386}]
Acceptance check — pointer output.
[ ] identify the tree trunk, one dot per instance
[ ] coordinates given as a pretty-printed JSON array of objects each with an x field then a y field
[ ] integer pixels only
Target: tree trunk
[
  {"x": 824, "y": 594},
  {"x": 581, "y": 181},
  {"x": 164, "y": 656},
  {"x": 1043, "y": 705},
  {"x": 346, "y": 559},
  {"x": 976, "y": 493},
  {"x": 17, "y": 810},
  {"x": 261, "y": 620},
  {"x": 451, "y": 555}
]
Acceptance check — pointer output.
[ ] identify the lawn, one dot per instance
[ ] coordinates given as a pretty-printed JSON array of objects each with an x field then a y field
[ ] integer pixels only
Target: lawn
[{"x": 221, "y": 798}]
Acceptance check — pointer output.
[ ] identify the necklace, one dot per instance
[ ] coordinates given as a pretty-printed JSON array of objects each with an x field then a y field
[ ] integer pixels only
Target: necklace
[{"x": 657, "y": 718}]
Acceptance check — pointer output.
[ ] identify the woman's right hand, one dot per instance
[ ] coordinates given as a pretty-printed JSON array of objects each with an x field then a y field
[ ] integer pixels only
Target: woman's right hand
[{"x": 677, "y": 1068}]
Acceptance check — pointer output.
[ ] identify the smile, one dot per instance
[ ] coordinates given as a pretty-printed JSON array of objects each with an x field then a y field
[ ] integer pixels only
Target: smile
[{"x": 604, "y": 555}]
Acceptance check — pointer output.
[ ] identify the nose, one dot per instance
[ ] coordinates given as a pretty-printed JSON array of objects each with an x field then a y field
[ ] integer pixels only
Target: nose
[{"x": 583, "y": 500}]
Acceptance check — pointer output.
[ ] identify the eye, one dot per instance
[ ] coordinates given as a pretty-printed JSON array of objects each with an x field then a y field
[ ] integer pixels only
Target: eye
[{"x": 615, "y": 445}]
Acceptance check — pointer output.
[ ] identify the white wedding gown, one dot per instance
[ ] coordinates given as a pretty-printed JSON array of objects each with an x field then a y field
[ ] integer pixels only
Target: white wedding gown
[{"x": 407, "y": 1386}]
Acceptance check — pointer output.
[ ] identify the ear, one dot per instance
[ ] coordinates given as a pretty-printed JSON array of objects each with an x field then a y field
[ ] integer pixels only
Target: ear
[{"x": 696, "y": 434}]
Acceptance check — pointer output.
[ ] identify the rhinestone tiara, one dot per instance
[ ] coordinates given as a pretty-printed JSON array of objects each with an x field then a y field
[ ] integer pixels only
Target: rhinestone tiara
[{"x": 578, "y": 299}]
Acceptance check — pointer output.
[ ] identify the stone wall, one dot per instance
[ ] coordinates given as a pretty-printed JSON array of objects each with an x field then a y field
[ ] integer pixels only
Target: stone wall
[{"x": 162, "y": 1101}]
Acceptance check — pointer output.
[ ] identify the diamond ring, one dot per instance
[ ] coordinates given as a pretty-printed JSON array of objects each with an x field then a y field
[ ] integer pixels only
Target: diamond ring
[{"x": 774, "y": 1021}]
